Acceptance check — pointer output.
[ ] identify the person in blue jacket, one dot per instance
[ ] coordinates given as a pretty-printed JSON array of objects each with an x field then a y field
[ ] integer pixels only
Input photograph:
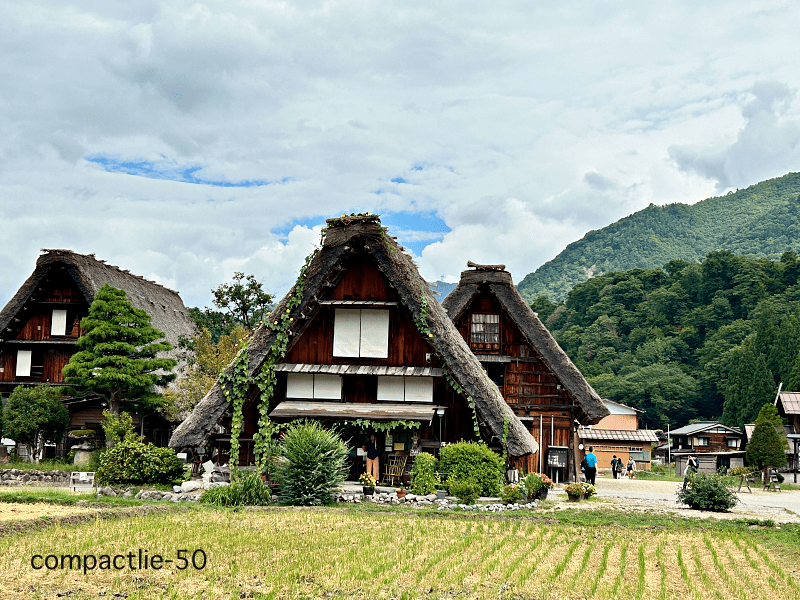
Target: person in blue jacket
[{"x": 591, "y": 465}]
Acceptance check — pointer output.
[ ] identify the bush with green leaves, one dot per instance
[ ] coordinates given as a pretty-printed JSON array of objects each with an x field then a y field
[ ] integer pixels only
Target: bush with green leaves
[
  {"x": 315, "y": 464},
  {"x": 246, "y": 490},
  {"x": 464, "y": 460},
  {"x": 35, "y": 415},
  {"x": 708, "y": 492},
  {"x": 134, "y": 462},
  {"x": 466, "y": 490},
  {"x": 510, "y": 494},
  {"x": 533, "y": 484},
  {"x": 424, "y": 478}
]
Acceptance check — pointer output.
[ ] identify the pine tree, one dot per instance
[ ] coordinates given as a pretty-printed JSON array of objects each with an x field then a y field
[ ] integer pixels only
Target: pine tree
[
  {"x": 767, "y": 447},
  {"x": 118, "y": 351}
]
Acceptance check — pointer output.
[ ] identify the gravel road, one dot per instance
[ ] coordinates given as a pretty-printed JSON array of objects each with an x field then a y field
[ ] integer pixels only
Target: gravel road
[{"x": 659, "y": 496}]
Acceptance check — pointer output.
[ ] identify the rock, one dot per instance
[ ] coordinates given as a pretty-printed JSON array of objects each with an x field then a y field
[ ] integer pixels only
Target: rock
[
  {"x": 430, "y": 497},
  {"x": 107, "y": 491},
  {"x": 190, "y": 486},
  {"x": 127, "y": 494},
  {"x": 214, "y": 484},
  {"x": 176, "y": 489}
]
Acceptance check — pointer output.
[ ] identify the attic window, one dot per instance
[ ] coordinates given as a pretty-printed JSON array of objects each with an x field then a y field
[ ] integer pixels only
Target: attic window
[
  {"x": 405, "y": 389},
  {"x": 485, "y": 329},
  {"x": 361, "y": 332},
  {"x": 58, "y": 324},
  {"x": 316, "y": 387}
]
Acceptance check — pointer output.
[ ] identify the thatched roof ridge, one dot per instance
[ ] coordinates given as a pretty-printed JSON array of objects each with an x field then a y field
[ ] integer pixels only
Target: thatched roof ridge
[
  {"x": 502, "y": 286},
  {"x": 356, "y": 234},
  {"x": 164, "y": 306}
]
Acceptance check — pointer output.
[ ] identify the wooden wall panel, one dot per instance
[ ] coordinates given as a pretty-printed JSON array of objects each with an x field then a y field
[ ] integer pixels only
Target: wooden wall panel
[
  {"x": 54, "y": 363},
  {"x": 7, "y": 361}
]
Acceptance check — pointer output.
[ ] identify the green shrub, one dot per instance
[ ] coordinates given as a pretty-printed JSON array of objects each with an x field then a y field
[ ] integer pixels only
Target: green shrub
[
  {"x": 510, "y": 494},
  {"x": 424, "y": 478},
  {"x": 470, "y": 460},
  {"x": 137, "y": 463},
  {"x": 247, "y": 490},
  {"x": 533, "y": 485},
  {"x": 316, "y": 462},
  {"x": 466, "y": 490},
  {"x": 708, "y": 492}
]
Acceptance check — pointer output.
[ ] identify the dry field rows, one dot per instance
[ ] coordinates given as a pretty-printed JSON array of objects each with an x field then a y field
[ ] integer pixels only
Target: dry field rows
[{"x": 335, "y": 553}]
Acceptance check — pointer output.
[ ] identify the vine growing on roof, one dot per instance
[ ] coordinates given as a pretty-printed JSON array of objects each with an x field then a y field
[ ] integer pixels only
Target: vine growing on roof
[
  {"x": 383, "y": 426},
  {"x": 422, "y": 326},
  {"x": 236, "y": 383}
]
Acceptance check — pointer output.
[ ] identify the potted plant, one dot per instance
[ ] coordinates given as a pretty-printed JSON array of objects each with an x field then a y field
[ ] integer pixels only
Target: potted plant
[
  {"x": 588, "y": 490},
  {"x": 401, "y": 493},
  {"x": 368, "y": 482},
  {"x": 574, "y": 491},
  {"x": 537, "y": 485}
]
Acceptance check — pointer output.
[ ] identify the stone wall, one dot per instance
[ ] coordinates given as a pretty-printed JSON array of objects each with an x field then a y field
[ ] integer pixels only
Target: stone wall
[{"x": 10, "y": 477}]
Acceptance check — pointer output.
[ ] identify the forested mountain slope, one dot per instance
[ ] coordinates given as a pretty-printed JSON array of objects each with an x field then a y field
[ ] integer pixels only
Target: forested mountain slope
[
  {"x": 687, "y": 340},
  {"x": 762, "y": 220}
]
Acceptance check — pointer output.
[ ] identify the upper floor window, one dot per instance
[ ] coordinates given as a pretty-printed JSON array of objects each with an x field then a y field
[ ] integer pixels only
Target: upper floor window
[
  {"x": 58, "y": 324},
  {"x": 703, "y": 441},
  {"x": 361, "y": 333},
  {"x": 733, "y": 442},
  {"x": 319, "y": 386},
  {"x": 485, "y": 329}
]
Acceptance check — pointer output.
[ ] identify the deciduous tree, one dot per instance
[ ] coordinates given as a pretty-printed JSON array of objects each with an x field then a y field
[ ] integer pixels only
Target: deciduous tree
[
  {"x": 244, "y": 299},
  {"x": 35, "y": 415}
]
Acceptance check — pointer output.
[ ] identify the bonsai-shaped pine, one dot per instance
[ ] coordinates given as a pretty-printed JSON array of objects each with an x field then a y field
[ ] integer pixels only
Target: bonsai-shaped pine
[
  {"x": 767, "y": 447},
  {"x": 118, "y": 358},
  {"x": 35, "y": 415}
]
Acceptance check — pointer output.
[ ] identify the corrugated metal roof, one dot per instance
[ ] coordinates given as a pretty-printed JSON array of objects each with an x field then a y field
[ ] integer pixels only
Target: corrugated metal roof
[
  {"x": 388, "y": 411},
  {"x": 703, "y": 426},
  {"x": 357, "y": 303},
  {"x": 360, "y": 370},
  {"x": 624, "y": 435},
  {"x": 790, "y": 402}
]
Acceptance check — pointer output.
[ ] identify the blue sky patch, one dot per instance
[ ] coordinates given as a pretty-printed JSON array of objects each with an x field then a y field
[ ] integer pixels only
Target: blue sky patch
[{"x": 171, "y": 171}]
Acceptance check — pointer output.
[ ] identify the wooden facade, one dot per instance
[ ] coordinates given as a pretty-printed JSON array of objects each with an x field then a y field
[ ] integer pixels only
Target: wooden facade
[
  {"x": 368, "y": 342},
  {"x": 715, "y": 444},
  {"x": 536, "y": 378}
]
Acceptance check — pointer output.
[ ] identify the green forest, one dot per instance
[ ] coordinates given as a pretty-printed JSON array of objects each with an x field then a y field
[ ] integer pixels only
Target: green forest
[
  {"x": 686, "y": 340},
  {"x": 761, "y": 220}
]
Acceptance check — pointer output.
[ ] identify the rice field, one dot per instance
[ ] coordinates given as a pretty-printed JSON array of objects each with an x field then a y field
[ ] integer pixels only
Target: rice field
[{"x": 339, "y": 553}]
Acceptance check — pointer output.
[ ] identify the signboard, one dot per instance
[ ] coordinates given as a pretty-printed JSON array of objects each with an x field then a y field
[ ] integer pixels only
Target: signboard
[{"x": 557, "y": 456}]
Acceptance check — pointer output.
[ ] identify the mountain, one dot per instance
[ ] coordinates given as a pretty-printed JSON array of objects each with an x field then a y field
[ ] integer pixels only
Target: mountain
[{"x": 761, "y": 220}]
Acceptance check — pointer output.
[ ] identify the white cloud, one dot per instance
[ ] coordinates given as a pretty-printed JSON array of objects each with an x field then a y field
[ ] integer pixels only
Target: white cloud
[{"x": 520, "y": 125}]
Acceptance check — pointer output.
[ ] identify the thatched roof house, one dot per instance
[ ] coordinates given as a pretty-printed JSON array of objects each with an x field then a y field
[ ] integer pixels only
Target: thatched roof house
[
  {"x": 497, "y": 281},
  {"x": 536, "y": 377},
  {"x": 88, "y": 273},
  {"x": 41, "y": 323},
  {"x": 360, "y": 267}
]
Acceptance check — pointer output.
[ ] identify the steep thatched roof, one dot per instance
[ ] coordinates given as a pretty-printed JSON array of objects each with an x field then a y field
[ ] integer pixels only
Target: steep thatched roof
[
  {"x": 164, "y": 306},
  {"x": 499, "y": 282},
  {"x": 364, "y": 234}
]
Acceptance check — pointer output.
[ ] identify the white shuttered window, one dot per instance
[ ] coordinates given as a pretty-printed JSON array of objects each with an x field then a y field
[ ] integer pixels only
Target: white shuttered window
[
  {"x": 58, "y": 324},
  {"x": 405, "y": 389},
  {"x": 23, "y": 363},
  {"x": 361, "y": 333},
  {"x": 314, "y": 387}
]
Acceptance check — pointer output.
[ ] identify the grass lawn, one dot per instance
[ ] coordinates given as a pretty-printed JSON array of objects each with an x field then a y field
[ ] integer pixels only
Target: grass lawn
[{"x": 369, "y": 552}]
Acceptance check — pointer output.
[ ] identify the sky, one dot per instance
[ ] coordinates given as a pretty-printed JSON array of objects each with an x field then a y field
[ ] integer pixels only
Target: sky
[{"x": 185, "y": 141}]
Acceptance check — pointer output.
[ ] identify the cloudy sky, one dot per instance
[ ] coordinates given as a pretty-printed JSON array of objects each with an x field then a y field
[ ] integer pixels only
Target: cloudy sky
[{"x": 188, "y": 140}]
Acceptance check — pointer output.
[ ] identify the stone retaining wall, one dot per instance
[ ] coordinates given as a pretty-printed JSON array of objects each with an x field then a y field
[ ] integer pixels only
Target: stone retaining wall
[{"x": 10, "y": 477}]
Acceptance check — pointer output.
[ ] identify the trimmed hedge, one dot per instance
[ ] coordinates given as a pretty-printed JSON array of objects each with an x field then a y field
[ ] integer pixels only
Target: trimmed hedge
[
  {"x": 708, "y": 492},
  {"x": 470, "y": 460},
  {"x": 137, "y": 463}
]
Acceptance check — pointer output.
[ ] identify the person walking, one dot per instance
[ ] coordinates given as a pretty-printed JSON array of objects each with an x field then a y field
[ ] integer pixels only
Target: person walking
[
  {"x": 614, "y": 470},
  {"x": 631, "y": 466},
  {"x": 591, "y": 465}
]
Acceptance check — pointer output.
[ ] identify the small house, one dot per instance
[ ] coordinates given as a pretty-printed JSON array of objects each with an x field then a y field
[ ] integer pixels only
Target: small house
[
  {"x": 536, "y": 377},
  {"x": 715, "y": 445},
  {"x": 619, "y": 435},
  {"x": 367, "y": 342},
  {"x": 41, "y": 323}
]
